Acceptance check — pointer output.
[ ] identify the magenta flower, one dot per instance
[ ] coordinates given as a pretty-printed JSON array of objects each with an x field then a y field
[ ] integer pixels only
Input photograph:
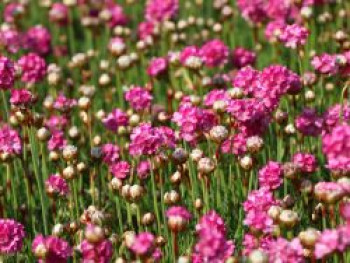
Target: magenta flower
[
  {"x": 38, "y": 40},
  {"x": 336, "y": 147},
  {"x": 64, "y": 104},
  {"x": 56, "y": 249},
  {"x": 57, "y": 141},
  {"x": 147, "y": 140},
  {"x": 10, "y": 141},
  {"x": 161, "y": 10},
  {"x": 193, "y": 121},
  {"x": 21, "y": 97},
  {"x": 216, "y": 95},
  {"x": 157, "y": 67},
  {"x": 242, "y": 57},
  {"x": 286, "y": 251},
  {"x": 115, "y": 119},
  {"x": 143, "y": 169},
  {"x": 59, "y": 13},
  {"x": 145, "y": 29},
  {"x": 294, "y": 36},
  {"x": 270, "y": 176},
  {"x": 306, "y": 162},
  {"x": 309, "y": 123},
  {"x": 11, "y": 236},
  {"x": 143, "y": 244},
  {"x": 325, "y": 64},
  {"x": 57, "y": 185},
  {"x": 345, "y": 211},
  {"x": 246, "y": 79},
  {"x": 118, "y": 17},
  {"x": 188, "y": 54},
  {"x": 214, "y": 53},
  {"x": 212, "y": 245},
  {"x": 251, "y": 115},
  {"x": 253, "y": 10},
  {"x": 13, "y": 11},
  {"x": 100, "y": 252},
  {"x": 33, "y": 68},
  {"x": 235, "y": 144},
  {"x": 256, "y": 207},
  {"x": 56, "y": 122},
  {"x": 7, "y": 73},
  {"x": 335, "y": 115},
  {"x": 178, "y": 213},
  {"x": 120, "y": 170},
  {"x": 110, "y": 153},
  {"x": 327, "y": 243},
  {"x": 139, "y": 98},
  {"x": 274, "y": 29},
  {"x": 251, "y": 243},
  {"x": 11, "y": 39}
]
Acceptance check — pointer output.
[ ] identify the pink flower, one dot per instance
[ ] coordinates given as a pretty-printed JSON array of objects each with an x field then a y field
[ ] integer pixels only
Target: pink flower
[
  {"x": 161, "y": 10},
  {"x": 243, "y": 57},
  {"x": 120, "y": 170},
  {"x": 212, "y": 245},
  {"x": 143, "y": 244},
  {"x": 274, "y": 30},
  {"x": 11, "y": 236},
  {"x": 270, "y": 176},
  {"x": 143, "y": 169},
  {"x": 335, "y": 115},
  {"x": 57, "y": 185},
  {"x": 115, "y": 119},
  {"x": 214, "y": 53},
  {"x": 188, "y": 53},
  {"x": 56, "y": 122},
  {"x": 146, "y": 140},
  {"x": 64, "y": 104},
  {"x": 325, "y": 64},
  {"x": 250, "y": 115},
  {"x": 236, "y": 144},
  {"x": 118, "y": 17},
  {"x": 253, "y": 10},
  {"x": 193, "y": 121},
  {"x": 294, "y": 36},
  {"x": 21, "y": 97},
  {"x": 7, "y": 73},
  {"x": 139, "y": 98},
  {"x": 246, "y": 79},
  {"x": 145, "y": 29},
  {"x": 157, "y": 67},
  {"x": 11, "y": 39},
  {"x": 57, "y": 250},
  {"x": 13, "y": 11},
  {"x": 100, "y": 252},
  {"x": 10, "y": 141},
  {"x": 345, "y": 211},
  {"x": 59, "y": 13},
  {"x": 38, "y": 40},
  {"x": 215, "y": 95},
  {"x": 178, "y": 211},
  {"x": 279, "y": 80},
  {"x": 286, "y": 251},
  {"x": 110, "y": 153},
  {"x": 306, "y": 162},
  {"x": 327, "y": 243},
  {"x": 336, "y": 147},
  {"x": 33, "y": 68},
  {"x": 256, "y": 207},
  {"x": 116, "y": 46},
  {"x": 309, "y": 123},
  {"x": 57, "y": 141},
  {"x": 251, "y": 243},
  {"x": 329, "y": 192}
]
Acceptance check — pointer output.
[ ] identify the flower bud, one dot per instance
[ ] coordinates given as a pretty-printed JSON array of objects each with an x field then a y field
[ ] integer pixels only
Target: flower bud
[
  {"x": 308, "y": 238},
  {"x": 246, "y": 162},
  {"x": 206, "y": 165},
  {"x": 218, "y": 133},
  {"x": 258, "y": 256},
  {"x": 288, "y": 218}
]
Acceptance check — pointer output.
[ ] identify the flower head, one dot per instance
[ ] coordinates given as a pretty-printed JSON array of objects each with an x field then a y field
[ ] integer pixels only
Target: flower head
[{"x": 11, "y": 236}]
